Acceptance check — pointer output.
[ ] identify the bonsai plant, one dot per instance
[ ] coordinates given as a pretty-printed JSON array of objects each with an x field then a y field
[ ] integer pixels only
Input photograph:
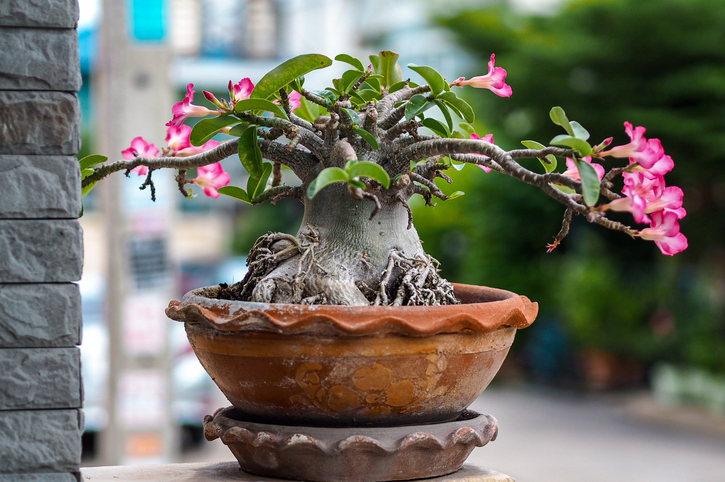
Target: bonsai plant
[{"x": 360, "y": 149}]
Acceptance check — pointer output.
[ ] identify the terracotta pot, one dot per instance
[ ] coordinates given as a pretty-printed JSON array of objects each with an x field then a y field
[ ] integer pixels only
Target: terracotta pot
[{"x": 353, "y": 366}]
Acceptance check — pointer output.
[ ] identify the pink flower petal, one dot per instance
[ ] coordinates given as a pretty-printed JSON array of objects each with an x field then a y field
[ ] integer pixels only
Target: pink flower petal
[
  {"x": 177, "y": 138},
  {"x": 487, "y": 138},
  {"x": 140, "y": 148},
  {"x": 211, "y": 178},
  {"x": 494, "y": 80}
]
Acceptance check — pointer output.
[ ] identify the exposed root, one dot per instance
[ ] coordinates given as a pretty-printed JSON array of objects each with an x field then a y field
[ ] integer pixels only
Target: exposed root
[
  {"x": 414, "y": 281},
  {"x": 266, "y": 254},
  {"x": 286, "y": 269},
  {"x": 401, "y": 199}
]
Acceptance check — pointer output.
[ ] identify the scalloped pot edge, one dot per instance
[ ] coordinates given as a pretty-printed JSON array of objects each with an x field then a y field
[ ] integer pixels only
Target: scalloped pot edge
[{"x": 482, "y": 310}]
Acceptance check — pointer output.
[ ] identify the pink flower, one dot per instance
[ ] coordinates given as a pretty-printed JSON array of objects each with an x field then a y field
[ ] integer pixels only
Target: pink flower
[
  {"x": 495, "y": 80},
  {"x": 177, "y": 138},
  {"x": 573, "y": 172},
  {"x": 240, "y": 91},
  {"x": 140, "y": 148},
  {"x": 211, "y": 178},
  {"x": 487, "y": 138},
  {"x": 212, "y": 98},
  {"x": 633, "y": 204},
  {"x": 185, "y": 108},
  {"x": 658, "y": 169},
  {"x": 669, "y": 199},
  {"x": 665, "y": 232},
  {"x": 193, "y": 150},
  {"x": 640, "y": 150},
  {"x": 294, "y": 100}
]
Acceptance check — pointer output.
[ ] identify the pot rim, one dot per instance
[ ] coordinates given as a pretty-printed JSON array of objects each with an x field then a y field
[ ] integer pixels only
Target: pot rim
[{"x": 482, "y": 310}]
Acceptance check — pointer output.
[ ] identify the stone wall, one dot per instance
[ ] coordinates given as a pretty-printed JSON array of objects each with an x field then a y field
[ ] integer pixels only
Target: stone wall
[{"x": 41, "y": 250}]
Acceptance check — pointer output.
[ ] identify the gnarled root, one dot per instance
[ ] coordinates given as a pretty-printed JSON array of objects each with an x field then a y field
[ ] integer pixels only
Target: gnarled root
[
  {"x": 288, "y": 269},
  {"x": 413, "y": 281}
]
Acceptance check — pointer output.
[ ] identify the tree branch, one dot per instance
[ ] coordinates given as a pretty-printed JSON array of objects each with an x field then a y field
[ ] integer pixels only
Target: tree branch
[
  {"x": 307, "y": 137},
  {"x": 389, "y": 101},
  {"x": 222, "y": 151}
]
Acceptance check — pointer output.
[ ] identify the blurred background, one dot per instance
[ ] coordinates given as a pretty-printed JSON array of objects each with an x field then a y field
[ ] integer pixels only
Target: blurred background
[{"x": 624, "y": 332}]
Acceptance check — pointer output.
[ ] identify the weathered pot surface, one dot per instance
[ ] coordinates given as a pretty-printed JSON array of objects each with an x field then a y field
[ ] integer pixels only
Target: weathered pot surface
[{"x": 353, "y": 366}]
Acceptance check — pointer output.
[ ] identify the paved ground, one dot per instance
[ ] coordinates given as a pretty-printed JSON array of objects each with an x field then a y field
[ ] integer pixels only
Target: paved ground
[
  {"x": 548, "y": 436},
  {"x": 554, "y": 436}
]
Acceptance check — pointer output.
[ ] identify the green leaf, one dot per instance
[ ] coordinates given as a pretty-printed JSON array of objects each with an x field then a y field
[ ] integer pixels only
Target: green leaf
[
  {"x": 249, "y": 152},
  {"x": 435, "y": 80},
  {"x": 389, "y": 68},
  {"x": 548, "y": 166},
  {"x": 367, "y": 137},
  {"x": 257, "y": 185},
  {"x": 467, "y": 127},
  {"x": 551, "y": 165},
  {"x": 236, "y": 193},
  {"x": 327, "y": 94},
  {"x": 368, "y": 94},
  {"x": 349, "y": 78},
  {"x": 349, "y": 59},
  {"x": 337, "y": 83},
  {"x": 238, "y": 129},
  {"x": 375, "y": 61},
  {"x": 437, "y": 126},
  {"x": 298, "y": 83},
  {"x": 260, "y": 104},
  {"x": 369, "y": 169},
  {"x": 357, "y": 183},
  {"x": 354, "y": 117},
  {"x": 564, "y": 189},
  {"x": 205, "y": 129},
  {"x": 326, "y": 177},
  {"x": 307, "y": 110},
  {"x": 446, "y": 113},
  {"x": 579, "y": 131},
  {"x": 461, "y": 105},
  {"x": 288, "y": 71},
  {"x": 416, "y": 105},
  {"x": 373, "y": 83},
  {"x": 533, "y": 145},
  {"x": 88, "y": 188},
  {"x": 86, "y": 172},
  {"x": 590, "y": 182},
  {"x": 458, "y": 166},
  {"x": 559, "y": 117},
  {"x": 455, "y": 195},
  {"x": 399, "y": 85},
  {"x": 581, "y": 146},
  {"x": 91, "y": 160}
]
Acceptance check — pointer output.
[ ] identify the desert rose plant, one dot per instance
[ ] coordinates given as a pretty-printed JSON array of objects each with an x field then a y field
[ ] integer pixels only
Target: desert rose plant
[{"x": 360, "y": 149}]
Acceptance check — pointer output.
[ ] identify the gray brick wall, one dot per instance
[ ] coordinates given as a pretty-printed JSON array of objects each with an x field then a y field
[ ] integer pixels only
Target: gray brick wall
[{"x": 41, "y": 244}]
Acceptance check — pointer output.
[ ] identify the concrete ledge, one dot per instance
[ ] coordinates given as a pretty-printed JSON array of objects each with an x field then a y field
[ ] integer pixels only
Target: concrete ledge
[
  {"x": 49, "y": 59},
  {"x": 39, "y": 123},
  {"x": 40, "y": 315},
  {"x": 39, "y": 187},
  {"x": 230, "y": 472},
  {"x": 40, "y": 441},
  {"x": 35, "y": 378},
  {"x": 39, "y": 13},
  {"x": 67, "y": 477},
  {"x": 38, "y": 251}
]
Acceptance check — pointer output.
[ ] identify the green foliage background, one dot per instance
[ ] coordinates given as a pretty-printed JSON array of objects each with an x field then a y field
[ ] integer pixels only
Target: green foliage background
[{"x": 656, "y": 63}]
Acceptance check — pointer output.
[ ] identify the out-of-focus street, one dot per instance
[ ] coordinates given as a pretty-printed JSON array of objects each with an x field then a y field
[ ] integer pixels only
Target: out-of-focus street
[{"x": 556, "y": 436}]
